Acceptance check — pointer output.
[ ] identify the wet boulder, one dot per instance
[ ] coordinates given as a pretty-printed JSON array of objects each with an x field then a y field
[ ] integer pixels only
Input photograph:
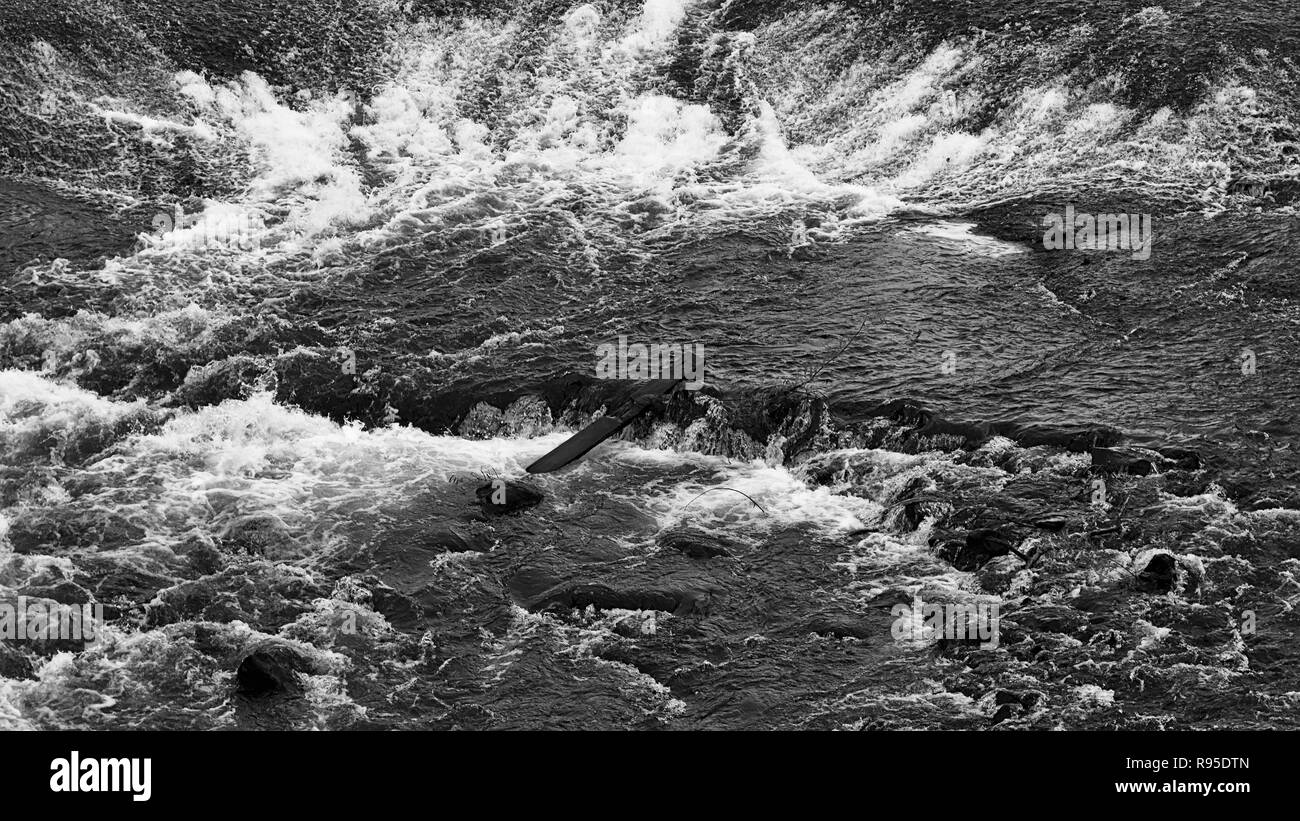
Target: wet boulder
[
  {"x": 95, "y": 529},
  {"x": 483, "y": 421},
  {"x": 1181, "y": 458},
  {"x": 204, "y": 559},
  {"x": 1099, "y": 601},
  {"x": 969, "y": 434},
  {"x": 191, "y": 599},
  {"x": 977, "y": 549},
  {"x": 834, "y": 468},
  {"x": 398, "y": 609},
  {"x": 267, "y": 596},
  {"x": 528, "y": 416},
  {"x": 1247, "y": 185},
  {"x": 237, "y": 377},
  {"x": 873, "y": 626},
  {"x": 273, "y": 669},
  {"x": 1074, "y": 438},
  {"x": 1049, "y": 618},
  {"x": 13, "y": 662},
  {"x": 996, "y": 575},
  {"x": 501, "y": 497},
  {"x": 260, "y": 534},
  {"x": 915, "y": 504},
  {"x": 123, "y": 589},
  {"x": 1209, "y": 627},
  {"x": 647, "y": 212},
  {"x": 1029, "y": 699},
  {"x": 63, "y": 592},
  {"x": 1008, "y": 704},
  {"x": 312, "y": 377},
  {"x": 889, "y": 598},
  {"x": 1156, "y": 572},
  {"x": 1006, "y": 711}
]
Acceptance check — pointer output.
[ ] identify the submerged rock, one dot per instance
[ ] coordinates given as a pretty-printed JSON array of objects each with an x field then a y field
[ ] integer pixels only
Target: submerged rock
[
  {"x": 260, "y": 534},
  {"x": 500, "y": 497},
  {"x": 679, "y": 602},
  {"x": 264, "y": 595},
  {"x": 1133, "y": 461},
  {"x": 1050, "y": 618},
  {"x": 528, "y": 584},
  {"x": 873, "y": 626},
  {"x": 1137, "y": 461},
  {"x": 979, "y": 547},
  {"x": 694, "y": 543},
  {"x": 448, "y": 539}
]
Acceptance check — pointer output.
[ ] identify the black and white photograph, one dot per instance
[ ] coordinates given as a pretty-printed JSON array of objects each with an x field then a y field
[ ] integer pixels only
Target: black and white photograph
[{"x": 814, "y": 369}]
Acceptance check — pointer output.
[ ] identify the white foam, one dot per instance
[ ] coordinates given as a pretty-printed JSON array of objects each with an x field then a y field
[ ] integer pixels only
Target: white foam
[
  {"x": 659, "y": 18},
  {"x": 664, "y": 137},
  {"x": 786, "y": 498},
  {"x": 299, "y": 152},
  {"x": 962, "y": 234}
]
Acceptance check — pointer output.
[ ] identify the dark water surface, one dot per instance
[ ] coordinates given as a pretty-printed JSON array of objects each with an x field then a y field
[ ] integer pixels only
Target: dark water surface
[{"x": 257, "y": 442}]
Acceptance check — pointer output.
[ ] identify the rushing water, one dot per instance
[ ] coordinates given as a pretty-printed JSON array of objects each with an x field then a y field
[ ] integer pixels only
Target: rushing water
[{"x": 277, "y": 303}]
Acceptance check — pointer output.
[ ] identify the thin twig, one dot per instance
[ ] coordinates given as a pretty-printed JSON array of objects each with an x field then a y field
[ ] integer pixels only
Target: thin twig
[
  {"x": 733, "y": 490},
  {"x": 844, "y": 347}
]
